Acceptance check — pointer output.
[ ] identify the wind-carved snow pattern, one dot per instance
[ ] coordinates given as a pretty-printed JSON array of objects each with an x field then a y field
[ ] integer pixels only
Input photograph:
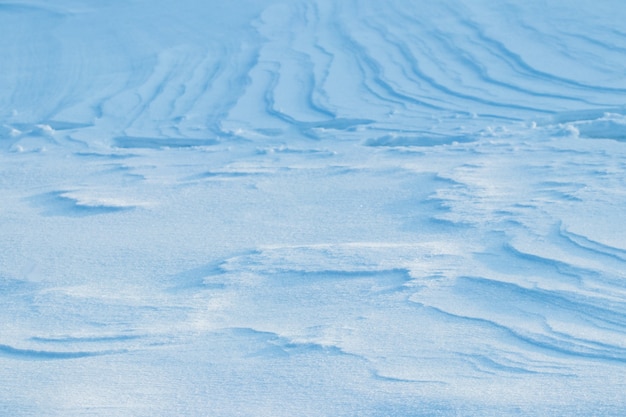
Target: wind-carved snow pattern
[{"x": 312, "y": 208}]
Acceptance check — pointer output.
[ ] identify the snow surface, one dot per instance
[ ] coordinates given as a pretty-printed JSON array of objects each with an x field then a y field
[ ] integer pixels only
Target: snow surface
[{"x": 312, "y": 207}]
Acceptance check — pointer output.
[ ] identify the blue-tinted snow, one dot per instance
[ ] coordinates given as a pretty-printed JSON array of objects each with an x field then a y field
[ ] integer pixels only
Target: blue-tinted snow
[{"x": 323, "y": 207}]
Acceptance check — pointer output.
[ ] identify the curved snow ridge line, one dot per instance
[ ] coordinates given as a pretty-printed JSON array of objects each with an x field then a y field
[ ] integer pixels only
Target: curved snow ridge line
[
  {"x": 600, "y": 267},
  {"x": 332, "y": 61},
  {"x": 543, "y": 343},
  {"x": 44, "y": 355},
  {"x": 28, "y": 137},
  {"x": 46, "y": 128},
  {"x": 85, "y": 339},
  {"x": 454, "y": 93},
  {"x": 183, "y": 92},
  {"x": 587, "y": 268},
  {"x": 375, "y": 61},
  {"x": 285, "y": 345},
  {"x": 82, "y": 203},
  {"x": 350, "y": 258},
  {"x": 398, "y": 140},
  {"x": 175, "y": 81},
  {"x": 564, "y": 269},
  {"x": 585, "y": 311},
  {"x": 374, "y": 81},
  {"x": 298, "y": 64},
  {"x": 595, "y": 248},
  {"x": 602, "y": 123},
  {"x": 610, "y": 126},
  {"x": 88, "y": 201},
  {"x": 135, "y": 142},
  {"x": 156, "y": 98},
  {"x": 549, "y": 265},
  {"x": 274, "y": 344},
  {"x": 560, "y": 321},
  {"x": 491, "y": 365},
  {"x": 280, "y": 68},
  {"x": 380, "y": 375},
  {"x": 292, "y": 84},
  {"x": 517, "y": 64},
  {"x": 226, "y": 175},
  {"x": 311, "y": 122},
  {"x": 565, "y": 117},
  {"x": 284, "y": 117},
  {"x": 98, "y": 202}
]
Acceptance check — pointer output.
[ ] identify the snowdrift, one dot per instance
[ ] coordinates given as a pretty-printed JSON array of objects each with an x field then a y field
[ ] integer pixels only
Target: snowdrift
[{"x": 318, "y": 207}]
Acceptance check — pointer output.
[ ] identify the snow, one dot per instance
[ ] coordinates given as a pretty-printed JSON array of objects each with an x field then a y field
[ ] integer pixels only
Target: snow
[{"x": 314, "y": 207}]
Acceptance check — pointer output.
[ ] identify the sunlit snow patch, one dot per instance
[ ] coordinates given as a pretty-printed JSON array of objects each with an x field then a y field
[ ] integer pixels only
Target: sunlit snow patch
[
  {"x": 160, "y": 143},
  {"x": 592, "y": 124},
  {"x": 81, "y": 203},
  {"x": 398, "y": 140},
  {"x": 609, "y": 126}
]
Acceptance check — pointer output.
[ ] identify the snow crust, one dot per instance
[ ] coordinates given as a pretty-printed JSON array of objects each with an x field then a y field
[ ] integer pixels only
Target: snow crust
[{"x": 313, "y": 207}]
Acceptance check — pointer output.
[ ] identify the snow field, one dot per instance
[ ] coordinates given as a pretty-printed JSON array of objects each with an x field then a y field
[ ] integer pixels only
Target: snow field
[{"x": 312, "y": 208}]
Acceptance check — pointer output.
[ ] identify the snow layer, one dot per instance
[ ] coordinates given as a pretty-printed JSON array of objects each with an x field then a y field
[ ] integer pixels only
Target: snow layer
[{"x": 325, "y": 207}]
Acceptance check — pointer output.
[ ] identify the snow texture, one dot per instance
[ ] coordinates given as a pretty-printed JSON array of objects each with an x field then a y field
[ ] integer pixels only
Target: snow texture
[{"x": 312, "y": 208}]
